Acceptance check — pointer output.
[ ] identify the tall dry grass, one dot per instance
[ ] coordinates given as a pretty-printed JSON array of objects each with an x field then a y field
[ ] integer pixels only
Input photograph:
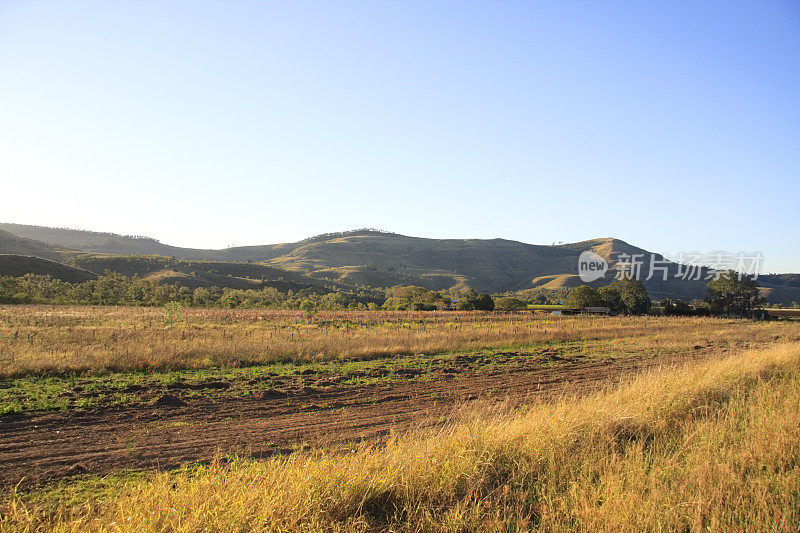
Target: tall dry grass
[
  {"x": 712, "y": 447},
  {"x": 39, "y": 339}
]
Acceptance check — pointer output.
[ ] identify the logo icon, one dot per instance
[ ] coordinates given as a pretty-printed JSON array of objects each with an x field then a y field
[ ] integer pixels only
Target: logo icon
[{"x": 591, "y": 266}]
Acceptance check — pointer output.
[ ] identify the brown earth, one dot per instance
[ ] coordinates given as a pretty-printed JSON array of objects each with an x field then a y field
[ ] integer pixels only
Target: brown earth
[{"x": 35, "y": 449}]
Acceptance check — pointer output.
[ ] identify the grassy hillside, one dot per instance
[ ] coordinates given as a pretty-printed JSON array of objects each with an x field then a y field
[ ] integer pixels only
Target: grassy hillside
[
  {"x": 493, "y": 265},
  {"x": 111, "y": 243},
  {"x": 167, "y": 264},
  {"x": 205, "y": 273},
  {"x": 365, "y": 258}
]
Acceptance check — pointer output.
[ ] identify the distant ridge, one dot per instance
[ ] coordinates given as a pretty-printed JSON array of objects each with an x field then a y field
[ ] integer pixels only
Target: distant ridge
[
  {"x": 365, "y": 258},
  {"x": 347, "y": 233}
]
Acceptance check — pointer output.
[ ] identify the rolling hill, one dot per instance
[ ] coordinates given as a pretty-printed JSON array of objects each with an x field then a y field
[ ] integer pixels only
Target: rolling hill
[
  {"x": 14, "y": 244},
  {"x": 358, "y": 259},
  {"x": 195, "y": 274},
  {"x": 111, "y": 243},
  {"x": 19, "y": 265}
]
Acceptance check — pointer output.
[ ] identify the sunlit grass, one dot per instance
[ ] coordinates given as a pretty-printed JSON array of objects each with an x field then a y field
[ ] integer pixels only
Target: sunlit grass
[{"x": 54, "y": 339}]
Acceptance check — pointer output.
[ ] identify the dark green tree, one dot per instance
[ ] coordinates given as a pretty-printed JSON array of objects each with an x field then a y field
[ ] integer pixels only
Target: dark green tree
[
  {"x": 415, "y": 298},
  {"x": 540, "y": 299},
  {"x": 508, "y": 303},
  {"x": 475, "y": 301},
  {"x": 583, "y": 296},
  {"x": 484, "y": 302},
  {"x": 733, "y": 295},
  {"x": 110, "y": 288},
  {"x": 627, "y": 296},
  {"x": 308, "y": 308}
]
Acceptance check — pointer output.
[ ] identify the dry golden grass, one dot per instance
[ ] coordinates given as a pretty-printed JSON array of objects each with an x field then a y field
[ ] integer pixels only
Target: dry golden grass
[
  {"x": 36, "y": 339},
  {"x": 712, "y": 446}
]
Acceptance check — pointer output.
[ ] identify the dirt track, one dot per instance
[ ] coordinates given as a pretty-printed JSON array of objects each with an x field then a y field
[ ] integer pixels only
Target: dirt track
[{"x": 38, "y": 449}]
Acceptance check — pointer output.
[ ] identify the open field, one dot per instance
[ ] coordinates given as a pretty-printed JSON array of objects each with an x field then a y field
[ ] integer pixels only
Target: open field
[
  {"x": 61, "y": 339},
  {"x": 99, "y": 388},
  {"x": 57, "y": 358},
  {"x": 125, "y": 393},
  {"x": 713, "y": 444}
]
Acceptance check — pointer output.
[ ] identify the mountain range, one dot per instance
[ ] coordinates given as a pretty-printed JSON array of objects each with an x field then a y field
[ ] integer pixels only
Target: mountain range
[{"x": 354, "y": 260}]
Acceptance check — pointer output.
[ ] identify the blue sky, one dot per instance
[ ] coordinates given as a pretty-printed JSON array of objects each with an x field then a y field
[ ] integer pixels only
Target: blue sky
[{"x": 674, "y": 126}]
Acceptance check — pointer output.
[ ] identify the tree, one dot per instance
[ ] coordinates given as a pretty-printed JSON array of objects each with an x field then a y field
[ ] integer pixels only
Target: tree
[
  {"x": 110, "y": 288},
  {"x": 415, "y": 298},
  {"x": 611, "y": 298},
  {"x": 700, "y": 307},
  {"x": 484, "y": 302},
  {"x": 472, "y": 300},
  {"x": 9, "y": 291},
  {"x": 583, "y": 296},
  {"x": 508, "y": 303},
  {"x": 733, "y": 294},
  {"x": 231, "y": 299},
  {"x": 539, "y": 299},
  {"x": 308, "y": 308},
  {"x": 626, "y": 296}
]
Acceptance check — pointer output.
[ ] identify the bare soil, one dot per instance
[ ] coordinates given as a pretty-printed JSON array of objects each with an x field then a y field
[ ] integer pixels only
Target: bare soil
[{"x": 35, "y": 449}]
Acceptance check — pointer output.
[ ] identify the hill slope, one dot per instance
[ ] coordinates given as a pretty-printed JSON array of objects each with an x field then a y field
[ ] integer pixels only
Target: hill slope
[
  {"x": 205, "y": 273},
  {"x": 19, "y": 265},
  {"x": 363, "y": 258},
  {"x": 491, "y": 265},
  {"x": 16, "y": 245},
  {"x": 111, "y": 243}
]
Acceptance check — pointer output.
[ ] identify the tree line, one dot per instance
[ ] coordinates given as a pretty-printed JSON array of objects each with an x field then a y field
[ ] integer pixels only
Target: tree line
[
  {"x": 112, "y": 288},
  {"x": 729, "y": 294}
]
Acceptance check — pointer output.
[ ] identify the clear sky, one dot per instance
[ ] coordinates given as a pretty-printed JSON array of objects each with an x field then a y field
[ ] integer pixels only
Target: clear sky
[{"x": 673, "y": 126}]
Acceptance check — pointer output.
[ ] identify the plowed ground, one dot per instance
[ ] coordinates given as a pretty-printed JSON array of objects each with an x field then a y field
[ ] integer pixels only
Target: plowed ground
[{"x": 42, "y": 447}]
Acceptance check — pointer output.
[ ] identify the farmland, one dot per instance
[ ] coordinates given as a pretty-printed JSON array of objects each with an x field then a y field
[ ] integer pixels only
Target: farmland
[
  {"x": 393, "y": 267},
  {"x": 117, "y": 401},
  {"x": 47, "y": 340},
  {"x": 65, "y": 357}
]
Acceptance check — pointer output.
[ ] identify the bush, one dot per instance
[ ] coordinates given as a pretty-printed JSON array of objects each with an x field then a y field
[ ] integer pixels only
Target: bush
[{"x": 173, "y": 312}]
